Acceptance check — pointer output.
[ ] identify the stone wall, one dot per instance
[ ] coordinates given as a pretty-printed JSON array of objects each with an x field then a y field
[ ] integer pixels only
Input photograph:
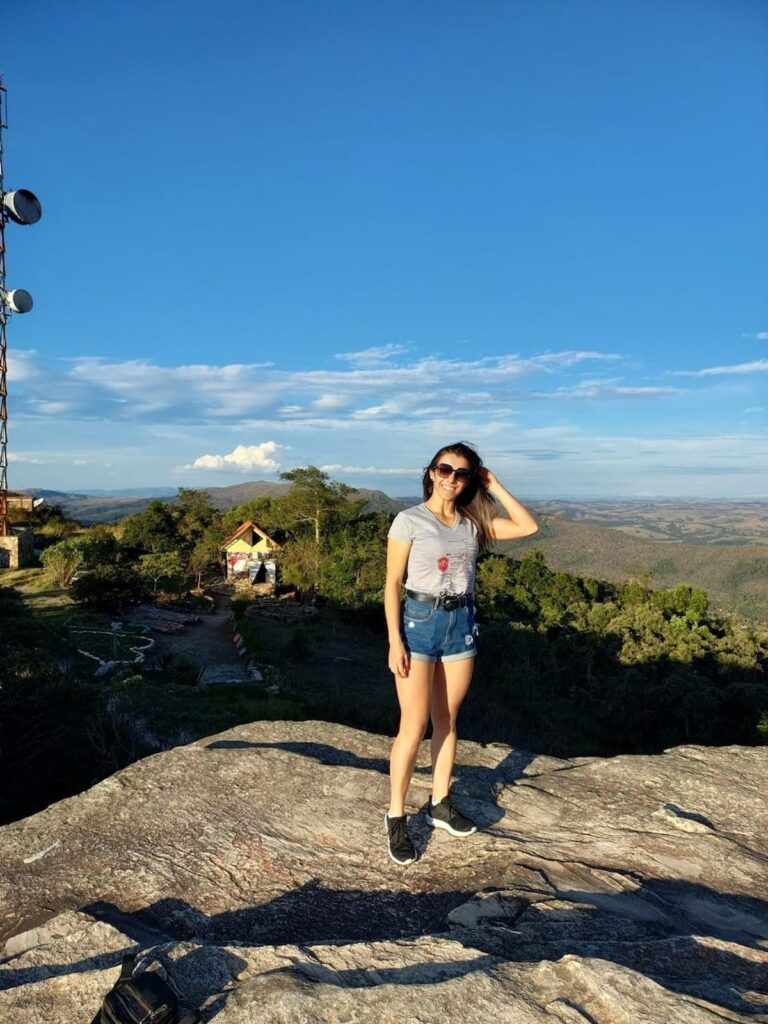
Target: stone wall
[{"x": 17, "y": 550}]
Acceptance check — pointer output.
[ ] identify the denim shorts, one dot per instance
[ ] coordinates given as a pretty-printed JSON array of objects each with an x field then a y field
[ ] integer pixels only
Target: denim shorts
[{"x": 434, "y": 634}]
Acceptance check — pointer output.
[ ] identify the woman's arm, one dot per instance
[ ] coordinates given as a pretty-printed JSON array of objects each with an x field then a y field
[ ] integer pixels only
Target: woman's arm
[
  {"x": 520, "y": 523},
  {"x": 397, "y": 562}
]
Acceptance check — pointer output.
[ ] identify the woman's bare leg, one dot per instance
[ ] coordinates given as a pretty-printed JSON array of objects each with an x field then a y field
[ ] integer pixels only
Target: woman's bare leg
[
  {"x": 451, "y": 682},
  {"x": 413, "y": 693}
]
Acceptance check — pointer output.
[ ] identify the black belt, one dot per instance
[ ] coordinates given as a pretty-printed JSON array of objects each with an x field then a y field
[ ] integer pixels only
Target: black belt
[{"x": 446, "y": 601}]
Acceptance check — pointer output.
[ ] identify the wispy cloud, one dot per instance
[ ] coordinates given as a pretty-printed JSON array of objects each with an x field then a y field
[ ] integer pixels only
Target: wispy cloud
[
  {"x": 372, "y": 387},
  {"x": 337, "y": 467},
  {"x": 25, "y": 459},
  {"x": 757, "y": 366},
  {"x": 373, "y": 356},
  {"x": 597, "y": 391}
]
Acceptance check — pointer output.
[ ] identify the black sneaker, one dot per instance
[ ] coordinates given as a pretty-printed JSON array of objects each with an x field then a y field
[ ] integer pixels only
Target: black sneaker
[
  {"x": 400, "y": 847},
  {"x": 445, "y": 815}
]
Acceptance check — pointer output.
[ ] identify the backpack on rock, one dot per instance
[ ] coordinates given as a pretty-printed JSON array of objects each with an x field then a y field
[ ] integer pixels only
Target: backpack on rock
[{"x": 144, "y": 999}]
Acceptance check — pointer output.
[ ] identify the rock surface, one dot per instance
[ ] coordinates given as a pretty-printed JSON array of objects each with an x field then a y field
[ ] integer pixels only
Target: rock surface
[{"x": 250, "y": 868}]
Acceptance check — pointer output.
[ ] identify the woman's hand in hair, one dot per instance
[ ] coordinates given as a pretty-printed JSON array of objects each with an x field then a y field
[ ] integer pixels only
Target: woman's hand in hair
[{"x": 489, "y": 481}]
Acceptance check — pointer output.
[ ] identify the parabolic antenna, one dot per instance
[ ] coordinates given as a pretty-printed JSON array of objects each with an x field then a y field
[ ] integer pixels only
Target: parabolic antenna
[
  {"x": 23, "y": 206},
  {"x": 19, "y": 300}
]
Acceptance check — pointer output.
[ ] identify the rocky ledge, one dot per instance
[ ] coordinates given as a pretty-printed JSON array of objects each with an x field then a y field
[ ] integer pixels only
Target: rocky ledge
[{"x": 250, "y": 869}]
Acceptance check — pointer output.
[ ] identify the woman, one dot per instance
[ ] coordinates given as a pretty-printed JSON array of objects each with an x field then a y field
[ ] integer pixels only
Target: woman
[{"x": 433, "y": 548}]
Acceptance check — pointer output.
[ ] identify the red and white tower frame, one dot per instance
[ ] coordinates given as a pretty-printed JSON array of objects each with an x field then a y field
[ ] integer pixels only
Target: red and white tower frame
[{"x": 22, "y": 207}]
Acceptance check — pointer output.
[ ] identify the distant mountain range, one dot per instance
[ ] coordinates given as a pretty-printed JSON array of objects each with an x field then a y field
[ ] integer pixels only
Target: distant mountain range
[{"x": 93, "y": 506}]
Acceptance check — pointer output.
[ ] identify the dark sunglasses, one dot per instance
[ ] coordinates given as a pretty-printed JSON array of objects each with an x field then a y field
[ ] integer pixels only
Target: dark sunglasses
[{"x": 444, "y": 470}]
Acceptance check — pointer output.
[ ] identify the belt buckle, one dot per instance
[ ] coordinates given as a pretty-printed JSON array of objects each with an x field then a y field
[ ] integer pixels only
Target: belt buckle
[{"x": 451, "y": 601}]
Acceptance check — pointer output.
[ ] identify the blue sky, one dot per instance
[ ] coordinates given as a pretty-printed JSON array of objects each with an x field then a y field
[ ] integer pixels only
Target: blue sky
[{"x": 346, "y": 233}]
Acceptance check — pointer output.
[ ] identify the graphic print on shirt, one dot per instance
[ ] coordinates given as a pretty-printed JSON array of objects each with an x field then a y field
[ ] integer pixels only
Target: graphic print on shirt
[{"x": 452, "y": 566}]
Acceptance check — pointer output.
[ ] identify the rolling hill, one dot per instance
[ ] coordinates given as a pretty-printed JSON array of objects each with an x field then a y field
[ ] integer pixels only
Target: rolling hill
[
  {"x": 109, "y": 508},
  {"x": 734, "y": 576}
]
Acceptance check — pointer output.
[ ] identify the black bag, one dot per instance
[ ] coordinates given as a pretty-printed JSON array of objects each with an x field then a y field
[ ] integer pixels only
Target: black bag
[{"x": 145, "y": 999}]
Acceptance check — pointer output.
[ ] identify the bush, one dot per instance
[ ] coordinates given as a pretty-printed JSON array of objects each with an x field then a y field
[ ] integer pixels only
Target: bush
[
  {"x": 109, "y": 588},
  {"x": 178, "y": 670}
]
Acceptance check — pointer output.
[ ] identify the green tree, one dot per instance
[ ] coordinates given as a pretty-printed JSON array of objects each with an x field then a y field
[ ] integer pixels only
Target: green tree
[
  {"x": 494, "y": 583},
  {"x": 194, "y": 515},
  {"x": 204, "y": 557},
  {"x": 62, "y": 561},
  {"x": 317, "y": 502},
  {"x": 109, "y": 587},
  {"x": 264, "y": 511},
  {"x": 301, "y": 563},
  {"x": 164, "y": 565},
  {"x": 152, "y": 530},
  {"x": 682, "y": 600}
]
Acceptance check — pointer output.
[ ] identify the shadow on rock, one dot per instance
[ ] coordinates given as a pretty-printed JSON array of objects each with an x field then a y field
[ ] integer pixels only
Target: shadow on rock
[
  {"x": 674, "y": 932},
  {"x": 303, "y": 916}
]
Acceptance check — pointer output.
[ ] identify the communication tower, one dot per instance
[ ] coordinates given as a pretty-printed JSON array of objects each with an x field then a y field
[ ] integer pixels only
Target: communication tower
[{"x": 22, "y": 207}]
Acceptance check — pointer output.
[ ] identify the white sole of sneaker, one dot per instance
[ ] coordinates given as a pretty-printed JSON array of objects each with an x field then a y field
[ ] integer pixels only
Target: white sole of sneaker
[
  {"x": 436, "y": 823},
  {"x": 400, "y": 863}
]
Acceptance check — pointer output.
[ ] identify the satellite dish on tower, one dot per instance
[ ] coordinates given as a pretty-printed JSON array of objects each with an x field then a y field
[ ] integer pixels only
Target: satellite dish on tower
[
  {"x": 19, "y": 300},
  {"x": 23, "y": 206}
]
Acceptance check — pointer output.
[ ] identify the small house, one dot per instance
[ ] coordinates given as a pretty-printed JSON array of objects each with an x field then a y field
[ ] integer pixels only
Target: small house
[{"x": 250, "y": 553}]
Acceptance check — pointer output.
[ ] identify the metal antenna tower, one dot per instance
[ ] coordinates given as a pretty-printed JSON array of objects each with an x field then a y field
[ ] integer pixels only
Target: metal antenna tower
[{"x": 22, "y": 207}]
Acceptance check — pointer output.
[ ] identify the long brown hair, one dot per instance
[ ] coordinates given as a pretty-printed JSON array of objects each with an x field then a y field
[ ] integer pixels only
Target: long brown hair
[{"x": 474, "y": 502}]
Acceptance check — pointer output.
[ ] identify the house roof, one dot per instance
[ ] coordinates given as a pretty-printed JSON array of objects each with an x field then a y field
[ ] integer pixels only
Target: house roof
[{"x": 243, "y": 528}]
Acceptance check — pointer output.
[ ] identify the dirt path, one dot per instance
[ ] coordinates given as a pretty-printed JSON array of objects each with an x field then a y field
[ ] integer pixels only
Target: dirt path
[{"x": 207, "y": 642}]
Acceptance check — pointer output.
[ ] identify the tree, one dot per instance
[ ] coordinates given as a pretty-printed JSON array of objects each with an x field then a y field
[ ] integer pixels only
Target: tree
[
  {"x": 264, "y": 511},
  {"x": 316, "y": 501},
  {"x": 62, "y": 561},
  {"x": 205, "y": 556},
  {"x": 301, "y": 563},
  {"x": 152, "y": 530},
  {"x": 164, "y": 565},
  {"x": 493, "y": 583},
  {"x": 109, "y": 587},
  {"x": 194, "y": 514}
]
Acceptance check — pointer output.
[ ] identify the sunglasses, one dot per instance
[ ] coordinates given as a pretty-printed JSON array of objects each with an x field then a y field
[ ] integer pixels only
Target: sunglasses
[{"x": 444, "y": 470}]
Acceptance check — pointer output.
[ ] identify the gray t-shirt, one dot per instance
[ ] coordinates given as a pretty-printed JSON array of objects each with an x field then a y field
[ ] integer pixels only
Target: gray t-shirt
[{"x": 442, "y": 558}]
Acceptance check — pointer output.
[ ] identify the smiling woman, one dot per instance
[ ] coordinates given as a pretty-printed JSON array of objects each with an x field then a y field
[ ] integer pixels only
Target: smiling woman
[{"x": 433, "y": 548}]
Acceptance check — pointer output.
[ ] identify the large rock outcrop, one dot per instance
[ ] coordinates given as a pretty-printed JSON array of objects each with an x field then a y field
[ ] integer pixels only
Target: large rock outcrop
[{"x": 251, "y": 869}]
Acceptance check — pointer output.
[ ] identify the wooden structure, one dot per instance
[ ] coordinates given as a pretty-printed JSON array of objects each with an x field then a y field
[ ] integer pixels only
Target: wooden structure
[{"x": 250, "y": 552}]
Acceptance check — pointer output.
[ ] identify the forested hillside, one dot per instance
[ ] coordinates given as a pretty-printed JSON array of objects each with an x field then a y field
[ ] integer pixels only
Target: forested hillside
[{"x": 735, "y": 577}]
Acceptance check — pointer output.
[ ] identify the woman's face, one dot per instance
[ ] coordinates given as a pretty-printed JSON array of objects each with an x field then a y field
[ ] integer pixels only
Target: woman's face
[{"x": 448, "y": 485}]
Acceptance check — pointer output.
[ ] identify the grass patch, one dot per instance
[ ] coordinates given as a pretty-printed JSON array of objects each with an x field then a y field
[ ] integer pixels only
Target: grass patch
[{"x": 40, "y": 595}]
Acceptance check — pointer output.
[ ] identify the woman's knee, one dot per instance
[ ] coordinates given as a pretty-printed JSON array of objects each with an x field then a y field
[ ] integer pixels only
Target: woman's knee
[
  {"x": 412, "y": 729},
  {"x": 443, "y": 722}
]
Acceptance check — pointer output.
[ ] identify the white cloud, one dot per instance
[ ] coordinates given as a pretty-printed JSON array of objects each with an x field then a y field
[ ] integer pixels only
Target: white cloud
[
  {"x": 570, "y": 358},
  {"x": 758, "y": 366},
  {"x": 369, "y": 470},
  {"x": 372, "y": 356},
  {"x": 22, "y": 365},
  {"x": 594, "y": 390},
  {"x": 243, "y": 458},
  {"x": 25, "y": 459},
  {"x": 371, "y": 388},
  {"x": 328, "y": 401}
]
